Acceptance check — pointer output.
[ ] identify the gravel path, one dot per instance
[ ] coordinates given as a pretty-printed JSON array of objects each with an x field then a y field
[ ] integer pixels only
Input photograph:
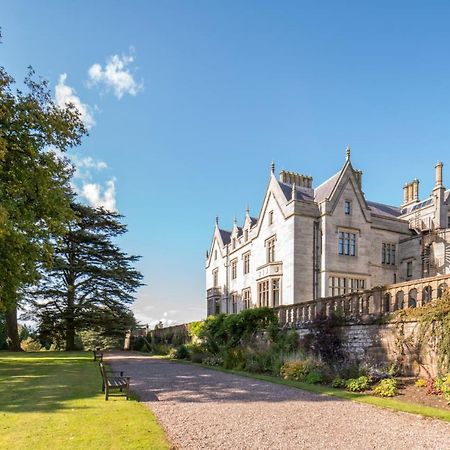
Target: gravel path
[{"x": 206, "y": 409}]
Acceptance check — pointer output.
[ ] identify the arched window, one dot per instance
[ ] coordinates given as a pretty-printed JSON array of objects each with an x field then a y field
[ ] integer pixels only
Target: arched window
[
  {"x": 412, "y": 298},
  {"x": 426, "y": 295},
  {"x": 399, "y": 300},
  {"x": 387, "y": 302},
  {"x": 441, "y": 290}
]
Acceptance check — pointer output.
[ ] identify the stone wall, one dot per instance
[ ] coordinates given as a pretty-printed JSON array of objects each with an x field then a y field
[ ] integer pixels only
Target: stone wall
[{"x": 379, "y": 345}]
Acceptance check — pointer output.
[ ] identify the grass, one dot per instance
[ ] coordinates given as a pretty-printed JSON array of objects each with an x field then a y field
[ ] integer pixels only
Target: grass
[
  {"x": 54, "y": 400},
  {"x": 388, "y": 403}
]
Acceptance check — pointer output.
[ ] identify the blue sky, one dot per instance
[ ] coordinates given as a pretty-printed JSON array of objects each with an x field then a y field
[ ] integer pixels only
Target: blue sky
[{"x": 193, "y": 99}]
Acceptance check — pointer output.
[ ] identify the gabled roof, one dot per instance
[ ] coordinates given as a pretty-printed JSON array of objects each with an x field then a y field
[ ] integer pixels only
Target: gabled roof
[
  {"x": 253, "y": 221},
  {"x": 326, "y": 188},
  {"x": 225, "y": 235},
  {"x": 302, "y": 192},
  {"x": 384, "y": 210}
]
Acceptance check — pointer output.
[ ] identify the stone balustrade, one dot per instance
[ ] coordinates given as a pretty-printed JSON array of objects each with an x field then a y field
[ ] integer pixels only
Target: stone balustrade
[{"x": 363, "y": 305}]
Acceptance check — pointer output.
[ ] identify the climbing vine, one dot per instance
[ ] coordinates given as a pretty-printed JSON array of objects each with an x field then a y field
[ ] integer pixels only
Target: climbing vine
[{"x": 434, "y": 327}]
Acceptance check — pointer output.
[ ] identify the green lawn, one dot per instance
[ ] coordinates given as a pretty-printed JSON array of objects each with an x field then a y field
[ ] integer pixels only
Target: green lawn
[{"x": 53, "y": 400}]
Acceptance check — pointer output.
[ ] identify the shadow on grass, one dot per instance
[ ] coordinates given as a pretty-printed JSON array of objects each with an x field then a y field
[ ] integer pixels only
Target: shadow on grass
[{"x": 44, "y": 382}]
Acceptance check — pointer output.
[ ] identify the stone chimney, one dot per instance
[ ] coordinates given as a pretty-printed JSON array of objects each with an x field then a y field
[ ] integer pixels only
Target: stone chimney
[
  {"x": 410, "y": 193},
  {"x": 440, "y": 214},
  {"x": 358, "y": 176},
  {"x": 296, "y": 178},
  {"x": 439, "y": 166}
]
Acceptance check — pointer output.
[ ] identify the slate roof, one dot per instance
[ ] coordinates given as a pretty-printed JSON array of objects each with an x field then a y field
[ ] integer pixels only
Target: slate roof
[
  {"x": 226, "y": 236},
  {"x": 253, "y": 221},
  {"x": 302, "y": 192},
  {"x": 326, "y": 188},
  {"x": 384, "y": 210}
]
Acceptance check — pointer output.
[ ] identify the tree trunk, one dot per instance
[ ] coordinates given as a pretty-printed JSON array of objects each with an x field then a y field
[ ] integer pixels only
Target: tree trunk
[
  {"x": 12, "y": 330},
  {"x": 70, "y": 335}
]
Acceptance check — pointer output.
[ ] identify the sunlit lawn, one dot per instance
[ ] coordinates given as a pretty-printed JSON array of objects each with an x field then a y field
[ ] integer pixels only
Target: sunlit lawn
[{"x": 53, "y": 400}]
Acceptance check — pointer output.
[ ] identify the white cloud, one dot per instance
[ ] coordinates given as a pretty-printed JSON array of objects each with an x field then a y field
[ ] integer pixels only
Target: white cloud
[
  {"x": 65, "y": 94},
  {"x": 98, "y": 195},
  {"x": 85, "y": 166},
  {"x": 115, "y": 76}
]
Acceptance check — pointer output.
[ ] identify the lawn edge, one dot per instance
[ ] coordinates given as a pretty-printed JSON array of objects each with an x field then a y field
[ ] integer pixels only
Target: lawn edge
[{"x": 391, "y": 404}]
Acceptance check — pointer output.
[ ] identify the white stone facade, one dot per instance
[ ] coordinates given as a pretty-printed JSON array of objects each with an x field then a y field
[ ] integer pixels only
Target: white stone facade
[{"x": 311, "y": 243}]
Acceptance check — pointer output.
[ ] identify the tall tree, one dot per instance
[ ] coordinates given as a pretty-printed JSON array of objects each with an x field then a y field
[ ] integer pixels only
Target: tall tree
[
  {"x": 34, "y": 184},
  {"x": 91, "y": 282}
]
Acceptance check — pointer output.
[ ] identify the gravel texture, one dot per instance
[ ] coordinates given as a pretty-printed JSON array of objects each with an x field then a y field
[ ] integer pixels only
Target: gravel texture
[{"x": 207, "y": 409}]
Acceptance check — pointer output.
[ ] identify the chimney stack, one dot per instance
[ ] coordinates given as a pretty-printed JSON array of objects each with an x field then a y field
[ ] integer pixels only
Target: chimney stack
[
  {"x": 296, "y": 178},
  {"x": 438, "y": 182},
  {"x": 411, "y": 192}
]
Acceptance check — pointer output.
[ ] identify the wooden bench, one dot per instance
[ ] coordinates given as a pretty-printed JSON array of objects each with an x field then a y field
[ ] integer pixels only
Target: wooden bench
[
  {"x": 98, "y": 355},
  {"x": 114, "y": 380}
]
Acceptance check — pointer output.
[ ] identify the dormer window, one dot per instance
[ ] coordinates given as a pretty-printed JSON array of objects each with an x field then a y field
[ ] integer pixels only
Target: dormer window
[
  {"x": 347, "y": 207},
  {"x": 234, "y": 243},
  {"x": 245, "y": 235}
]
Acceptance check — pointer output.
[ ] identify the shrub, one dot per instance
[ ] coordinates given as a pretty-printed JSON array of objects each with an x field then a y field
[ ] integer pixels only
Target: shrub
[
  {"x": 198, "y": 357},
  {"x": 351, "y": 370},
  {"x": 386, "y": 388},
  {"x": 358, "y": 384},
  {"x": 314, "y": 377},
  {"x": 421, "y": 383},
  {"x": 339, "y": 383},
  {"x": 298, "y": 370},
  {"x": 30, "y": 345},
  {"x": 433, "y": 387},
  {"x": 182, "y": 352},
  {"x": 213, "y": 360},
  {"x": 234, "y": 358}
]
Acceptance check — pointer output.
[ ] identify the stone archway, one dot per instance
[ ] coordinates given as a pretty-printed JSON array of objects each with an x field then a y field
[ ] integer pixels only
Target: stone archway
[
  {"x": 399, "y": 300},
  {"x": 412, "y": 298}
]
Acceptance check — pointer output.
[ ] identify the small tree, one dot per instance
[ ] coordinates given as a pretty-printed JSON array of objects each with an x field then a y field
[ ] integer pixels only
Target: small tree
[{"x": 91, "y": 282}]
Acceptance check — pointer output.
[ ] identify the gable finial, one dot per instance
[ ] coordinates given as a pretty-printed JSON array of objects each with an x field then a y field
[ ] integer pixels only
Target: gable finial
[
  {"x": 272, "y": 167},
  {"x": 347, "y": 153},
  {"x": 247, "y": 210},
  {"x": 294, "y": 192},
  {"x": 235, "y": 220},
  {"x": 217, "y": 220}
]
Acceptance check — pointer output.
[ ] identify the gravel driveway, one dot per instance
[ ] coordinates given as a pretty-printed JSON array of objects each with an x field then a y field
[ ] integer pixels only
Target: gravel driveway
[{"x": 206, "y": 409}]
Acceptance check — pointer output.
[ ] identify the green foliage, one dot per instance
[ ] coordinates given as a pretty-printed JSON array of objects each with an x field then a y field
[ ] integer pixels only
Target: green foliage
[
  {"x": 358, "y": 384},
  {"x": 325, "y": 339},
  {"x": 314, "y": 377},
  {"x": 34, "y": 184},
  {"x": 421, "y": 383},
  {"x": 224, "y": 332},
  {"x": 213, "y": 360},
  {"x": 386, "y": 388},
  {"x": 434, "y": 319},
  {"x": 91, "y": 282},
  {"x": 195, "y": 329},
  {"x": 339, "y": 383},
  {"x": 298, "y": 370},
  {"x": 91, "y": 339},
  {"x": 182, "y": 352}
]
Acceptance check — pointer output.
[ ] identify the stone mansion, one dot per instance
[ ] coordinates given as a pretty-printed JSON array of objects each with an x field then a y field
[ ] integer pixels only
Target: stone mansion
[{"x": 310, "y": 243}]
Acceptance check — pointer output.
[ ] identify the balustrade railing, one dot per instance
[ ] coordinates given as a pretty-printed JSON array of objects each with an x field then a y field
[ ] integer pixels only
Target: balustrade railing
[{"x": 365, "y": 304}]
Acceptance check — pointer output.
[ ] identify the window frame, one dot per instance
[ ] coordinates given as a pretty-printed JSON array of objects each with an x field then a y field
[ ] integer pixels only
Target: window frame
[{"x": 347, "y": 207}]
